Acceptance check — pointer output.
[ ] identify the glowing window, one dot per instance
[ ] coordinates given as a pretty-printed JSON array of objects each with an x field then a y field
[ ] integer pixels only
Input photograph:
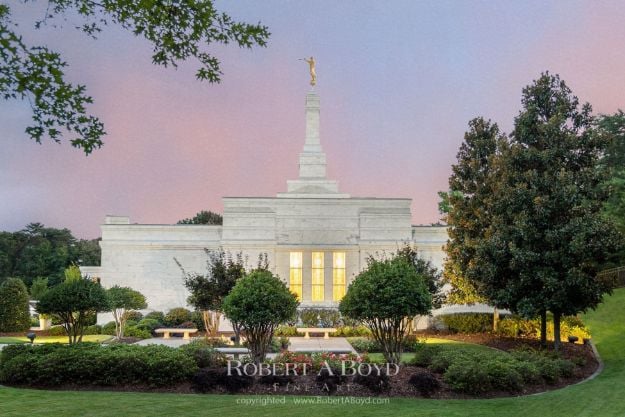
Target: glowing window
[
  {"x": 295, "y": 275},
  {"x": 338, "y": 276},
  {"x": 317, "y": 276}
]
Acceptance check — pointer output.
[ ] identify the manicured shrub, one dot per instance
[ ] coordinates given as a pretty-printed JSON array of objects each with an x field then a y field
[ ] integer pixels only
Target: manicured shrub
[
  {"x": 467, "y": 376},
  {"x": 156, "y": 315},
  {"x": 204, "y": 355},
  {"x": 329, "y": 318},
  {"x": 149, "y": 324},
  {"x": 424, "y": 355},
  {"x": 93, "y": 364},
  {"x": 187, "y": 325},
  {"x": 56, "y": 331},
  {"x": 309, "y": 317},
  {"x": 133, "y": 315},
  {"x": 285, "y": 330},
  {"x": 109, "y": 328},
  {"x": 426, "y": 383},
  {"x": 328, "y": 382},
  {"x": 468, "y": 322},
  {"x": 383, "y": 296},
  {"x": 14, "y": 309},
  {"x": 177, "y": 316},
  {"x": 362, "y": 344},
  {"x": 444, "y": 359},
  {"x": 260, "y": 302},
  {"x": 375, "y": 382},
  {"x": 134, "y": 331},
  {"x": 95, "y": 329},
  {"x": 352, "y": 331},
  {"x": 207, "y": 379}
]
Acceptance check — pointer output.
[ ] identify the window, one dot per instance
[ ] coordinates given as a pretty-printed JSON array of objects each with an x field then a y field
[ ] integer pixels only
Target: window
[
  {"x": 317, "y": 276},
  {"x": 295, "y": 275},
  {"x": 338, "y": 276}
]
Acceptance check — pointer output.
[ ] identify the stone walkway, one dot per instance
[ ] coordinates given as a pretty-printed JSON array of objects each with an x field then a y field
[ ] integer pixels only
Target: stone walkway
[{"x": 298, "y": 344}]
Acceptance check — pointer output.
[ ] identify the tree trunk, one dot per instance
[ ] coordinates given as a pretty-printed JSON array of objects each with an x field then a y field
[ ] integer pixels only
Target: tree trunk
[
  {"x": 556, "y": 331},
  {"x": 495, "y": 319},
  {"x": 543, "y": 328}
]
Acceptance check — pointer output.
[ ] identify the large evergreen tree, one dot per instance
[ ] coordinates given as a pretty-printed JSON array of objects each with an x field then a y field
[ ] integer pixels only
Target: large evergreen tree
[
  {"x": 466, "y": 207},
  {"x": 546, "y": 238}
]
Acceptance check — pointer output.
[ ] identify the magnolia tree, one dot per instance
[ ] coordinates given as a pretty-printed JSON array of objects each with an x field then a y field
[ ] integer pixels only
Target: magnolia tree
[
  {"x": 260, "y": 302},
  {"x": 121, "y": 300},
  {"x": 386, "y": 297},
  {"x": 72, "y": 301}
]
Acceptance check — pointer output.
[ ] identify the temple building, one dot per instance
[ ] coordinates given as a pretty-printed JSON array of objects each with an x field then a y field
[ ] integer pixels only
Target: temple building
[{"x": 316, "y": 238}]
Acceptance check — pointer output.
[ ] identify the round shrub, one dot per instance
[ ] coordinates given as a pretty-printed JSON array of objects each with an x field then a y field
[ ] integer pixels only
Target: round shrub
[
  {"x": 109, "y": 328},
  {"x": 204, "y": 355},
  {"x": 375, "y": 382},
  {"x": 134, "y": 331},
  {"x": 426, "y": 383},
  {"x": 467, "y": 376},
  {"x": 177, "y": 316},
  {"x": 149, "y": 324},
  {"x": 133, "y": 315},
  {"x": 95, "y": 329},
  {"x": 156, "y": 315},
  {"x": 362, "y": 344},
  {"x": 56, "y": 331}
]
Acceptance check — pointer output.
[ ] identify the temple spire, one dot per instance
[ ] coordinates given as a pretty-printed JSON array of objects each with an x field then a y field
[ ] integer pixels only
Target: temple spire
[{"x": 312, "y": 181}]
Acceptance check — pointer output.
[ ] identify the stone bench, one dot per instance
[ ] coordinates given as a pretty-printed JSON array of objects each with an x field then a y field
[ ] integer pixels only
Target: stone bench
[
  {"x": 307, "y": 330},
  {"x": 167, "y": 332},
  {"x": 234, "y": 351}
]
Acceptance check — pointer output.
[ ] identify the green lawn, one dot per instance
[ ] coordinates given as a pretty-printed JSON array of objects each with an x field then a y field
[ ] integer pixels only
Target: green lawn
[
  {"x": 442, "y": 343},
  {"x": 604, "y": 396},
  {"x": 53, "y": 339}
]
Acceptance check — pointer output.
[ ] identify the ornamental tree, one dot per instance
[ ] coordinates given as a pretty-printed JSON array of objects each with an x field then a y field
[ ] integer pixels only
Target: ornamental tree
[
  {"x": 208, "y": 290},
  {"x": 204, "y": 217},
  {"x": 260, "y": 302},
  {"x": 120, "y": 301},
  {"x": 14, "y": 309},
  {"x": 386, "y": 297},
  {"x": 72, "y": 301}
]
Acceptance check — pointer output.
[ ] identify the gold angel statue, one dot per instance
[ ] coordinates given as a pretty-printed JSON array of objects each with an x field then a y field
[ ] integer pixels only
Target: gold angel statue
[{"x": 313, "y": 74}]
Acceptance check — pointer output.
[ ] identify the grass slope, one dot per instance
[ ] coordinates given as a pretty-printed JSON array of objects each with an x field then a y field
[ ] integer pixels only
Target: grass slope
[{"x": 602, "y": 396}]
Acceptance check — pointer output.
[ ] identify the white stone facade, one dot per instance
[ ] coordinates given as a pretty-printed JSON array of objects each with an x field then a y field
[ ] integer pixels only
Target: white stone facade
[{"x": 312, "y": 216}]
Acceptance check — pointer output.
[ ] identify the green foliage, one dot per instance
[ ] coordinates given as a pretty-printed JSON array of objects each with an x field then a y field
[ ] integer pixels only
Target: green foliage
[
  {"x": 138, "y": 332},
  {"x": 109, "y": 328},
  {"x": 208, "y": 291},
  {"x": 14, "y": 310},
  {"x": 204, "y": 217},
  {"x": 93, "y": 329},
  {"x": 527, "y": 232},
  {"x": 468, "y": 322},
  {"x": 363, "y": 344},
  {"x": 177, "y": 31},
  {"x": 177, "y": 316},
  {"x": 309, "y": 317},
  {"x": 260, "y": 302},
  {"x": 385, "y": 297},
  {"x": 352, "y": 331},
  {"x": 89, "y": 364},
  {"x": 60, "y": 331},
  {"x": 286, "y": 330},
  {"x": 121, "y": 300},
  {"x": 203, "y": 354},
  {"x": 425, "y": 269},
  {"x": 72, "y": 273},
  {"x": 39, "y": 251},
  {"x": 515, "y": 326},
  {"x": 156, "y": 315},
  {"x": 72, "y": 302},
  {"x": 38, "y": 288}
]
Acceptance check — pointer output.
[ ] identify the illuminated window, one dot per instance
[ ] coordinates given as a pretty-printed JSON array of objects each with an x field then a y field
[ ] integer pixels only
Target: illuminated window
[
  {"x": 295, "y": 276},
  {"x": 317, "y": 276},
  {"x": 338, "y": 276}
]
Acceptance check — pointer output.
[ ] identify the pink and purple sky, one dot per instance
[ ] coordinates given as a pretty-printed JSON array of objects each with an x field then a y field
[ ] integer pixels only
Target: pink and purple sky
[{"x": 398, "y": 81}]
